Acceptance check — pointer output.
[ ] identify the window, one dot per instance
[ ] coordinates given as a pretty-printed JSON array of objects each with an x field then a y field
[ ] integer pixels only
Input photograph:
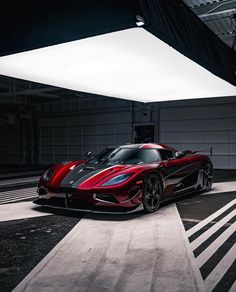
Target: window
[
  {"x": 166, "y": 154},
  {"x": 133, "y": 156}
]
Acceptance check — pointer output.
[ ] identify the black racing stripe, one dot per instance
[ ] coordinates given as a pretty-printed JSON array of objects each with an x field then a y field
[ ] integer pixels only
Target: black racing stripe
[
  {"x": 81, "y": 173},
  {"x": 187, "y": 181},
  {"x": 87, "y": 176},
  {"x": 227, "y": 280},
  {"x": 72, "y": 174},
  {"x": 210, "y": 224},
  {"x": 169, "y": 171},
  {"x": 207, "y": 268}
]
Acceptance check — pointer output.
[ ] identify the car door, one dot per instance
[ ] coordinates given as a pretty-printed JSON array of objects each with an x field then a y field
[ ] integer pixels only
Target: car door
[{"x": 175, "y": 173}]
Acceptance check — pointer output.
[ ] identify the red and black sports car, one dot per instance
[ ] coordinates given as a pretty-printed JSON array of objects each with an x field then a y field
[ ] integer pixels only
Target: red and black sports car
[{"x": 125, "y": 178}]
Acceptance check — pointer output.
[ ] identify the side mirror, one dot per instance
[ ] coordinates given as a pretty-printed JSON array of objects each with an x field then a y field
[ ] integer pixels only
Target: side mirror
[
  {"x": 179, "y": 154},
  {"x": 88, "y": 154}
]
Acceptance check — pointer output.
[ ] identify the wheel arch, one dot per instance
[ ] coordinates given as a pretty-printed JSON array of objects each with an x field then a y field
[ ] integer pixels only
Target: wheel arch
[{"x": 160, "y": 175}]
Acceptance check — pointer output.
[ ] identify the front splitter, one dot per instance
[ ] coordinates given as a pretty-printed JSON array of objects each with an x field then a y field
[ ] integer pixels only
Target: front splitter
[{"x": 88, "y": 210}]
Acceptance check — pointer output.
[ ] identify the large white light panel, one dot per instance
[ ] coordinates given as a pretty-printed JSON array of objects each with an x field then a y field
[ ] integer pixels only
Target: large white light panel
[{"x": 131, "y": 64}]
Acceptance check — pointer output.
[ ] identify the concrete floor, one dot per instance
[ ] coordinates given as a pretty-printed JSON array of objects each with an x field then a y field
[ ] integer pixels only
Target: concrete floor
[
  {"x": 121, "y": 253},
  {"x": 107, "y": 253}
]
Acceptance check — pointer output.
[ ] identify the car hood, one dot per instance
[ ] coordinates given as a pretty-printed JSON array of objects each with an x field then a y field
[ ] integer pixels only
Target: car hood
[{"x": 89, "y": 175}]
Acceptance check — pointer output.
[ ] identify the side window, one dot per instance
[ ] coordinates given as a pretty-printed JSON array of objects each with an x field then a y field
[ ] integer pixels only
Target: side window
[
  {"x": 149, "y": 155},
  {"x": 166, "y": 154}
]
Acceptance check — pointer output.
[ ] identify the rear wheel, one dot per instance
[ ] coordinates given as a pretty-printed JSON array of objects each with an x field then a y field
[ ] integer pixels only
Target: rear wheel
[
  {"x": 152, "y": 193},
  {"x": 207, "y": 177}
]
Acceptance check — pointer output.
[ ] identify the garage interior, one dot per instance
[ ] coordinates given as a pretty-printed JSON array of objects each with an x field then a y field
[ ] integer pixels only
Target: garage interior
[
  {"x": 44, "y": 124},
  {"x": 41, "y": 125}
]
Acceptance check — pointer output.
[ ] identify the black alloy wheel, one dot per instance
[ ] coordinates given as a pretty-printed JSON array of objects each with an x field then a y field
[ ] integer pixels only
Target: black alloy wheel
[
  {"x": 152, "y": 193},
  {"x": 207, "y": 177}
]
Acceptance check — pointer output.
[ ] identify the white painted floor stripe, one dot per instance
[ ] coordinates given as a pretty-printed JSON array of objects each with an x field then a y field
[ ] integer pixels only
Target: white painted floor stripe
[
  {"x": 18, "y": 191},
  {"x": 106, "y": 253},
  {"x": 233, "y": 287},
  {"x": 216, "y": 275},
  {"x": 17, "y": 199},
  {"x": 17, "y": 194},
  {"x": 23, "y": 210},
  {"x": 212, "y": 248},
  {"x": 209, "y": 219},
  {"x": 222, "y": 187},
  {"x": 13, "y": 195},
  {"x": 204, "y": 236}
]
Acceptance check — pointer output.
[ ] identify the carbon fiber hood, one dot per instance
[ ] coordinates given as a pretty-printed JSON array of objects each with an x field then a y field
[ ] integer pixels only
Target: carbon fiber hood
[{"x": 81, "y": 173}]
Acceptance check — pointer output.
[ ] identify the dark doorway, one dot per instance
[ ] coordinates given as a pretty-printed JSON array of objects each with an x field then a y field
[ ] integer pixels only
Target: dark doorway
[{"x": 144, "y": 133}]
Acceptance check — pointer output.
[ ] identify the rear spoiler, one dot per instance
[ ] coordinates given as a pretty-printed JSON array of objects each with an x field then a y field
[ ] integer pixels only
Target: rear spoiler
[{"x": 186, "y": 152}]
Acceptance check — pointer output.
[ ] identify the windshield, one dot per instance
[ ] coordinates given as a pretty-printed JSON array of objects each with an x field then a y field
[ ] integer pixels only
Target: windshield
[
  {"x": 101, "y": 156},
  {"x": 132, "y": 156}
]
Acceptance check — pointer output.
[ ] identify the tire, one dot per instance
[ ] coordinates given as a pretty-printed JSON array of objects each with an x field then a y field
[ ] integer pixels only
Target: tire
[
  {"x": 152, "y": 193},
  {"x": 207, "y": 177}
]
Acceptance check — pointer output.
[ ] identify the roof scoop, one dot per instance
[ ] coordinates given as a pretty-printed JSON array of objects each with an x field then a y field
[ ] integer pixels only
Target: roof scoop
[{"x": 89, "y": 168}]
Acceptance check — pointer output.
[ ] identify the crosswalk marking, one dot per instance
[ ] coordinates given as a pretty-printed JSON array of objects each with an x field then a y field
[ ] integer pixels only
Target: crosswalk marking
[
  {"x": 17, "y": 195},
  {"x": 217, "y": 274},
  {"x": 205, "y": 235},
  {"x": 18, "y": 191},
  {"x": 210, "y": 218},
  {"x": 17, "y": 199},
  {"x": 212, "y": 248}
]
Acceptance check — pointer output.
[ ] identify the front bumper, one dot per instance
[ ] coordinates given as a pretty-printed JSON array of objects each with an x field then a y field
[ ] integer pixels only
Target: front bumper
[{"x": 87, "y": 202}]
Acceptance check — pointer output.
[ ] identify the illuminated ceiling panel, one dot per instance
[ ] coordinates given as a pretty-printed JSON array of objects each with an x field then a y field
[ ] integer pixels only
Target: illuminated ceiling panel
[{"x": 131, "y": 64}]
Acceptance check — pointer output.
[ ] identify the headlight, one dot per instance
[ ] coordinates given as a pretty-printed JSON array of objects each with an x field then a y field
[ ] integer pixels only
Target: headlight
[
  {"x": 47, "y": 175},
  {"x": 117, "y": 180}
]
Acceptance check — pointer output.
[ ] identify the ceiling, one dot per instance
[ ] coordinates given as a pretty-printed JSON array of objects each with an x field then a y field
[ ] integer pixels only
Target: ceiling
[
  {"x": 219, "y": 16},
  {"x": 122, "y": 64}
]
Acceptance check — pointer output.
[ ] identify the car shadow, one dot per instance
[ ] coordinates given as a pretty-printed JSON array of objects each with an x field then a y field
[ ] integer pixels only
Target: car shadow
[
  {"x": 110, "y": 216},
  {"x": 58, "y": 212}
]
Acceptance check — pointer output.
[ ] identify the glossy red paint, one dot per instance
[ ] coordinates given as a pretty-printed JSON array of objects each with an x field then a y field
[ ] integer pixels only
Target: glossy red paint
[
  {"x": 85, "y": 182},
  {"x": 99, "y": 179},
  {"x": 157, "y": 146},
  {"x": 59, "y": 172}
]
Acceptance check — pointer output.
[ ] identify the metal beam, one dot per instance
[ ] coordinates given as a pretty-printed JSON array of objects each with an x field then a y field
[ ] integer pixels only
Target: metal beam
[
  {"x": 216, "y": 7},
  {"x": 37, "y": 91},
  {"x": 218, "y": 14}
]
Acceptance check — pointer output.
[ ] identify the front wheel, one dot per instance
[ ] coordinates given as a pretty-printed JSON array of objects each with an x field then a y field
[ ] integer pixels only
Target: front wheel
[{"x": 152, "y": 193}]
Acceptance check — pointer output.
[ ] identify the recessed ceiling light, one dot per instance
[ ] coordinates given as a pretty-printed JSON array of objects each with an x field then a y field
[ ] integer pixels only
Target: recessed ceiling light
[
  {"x": 131, "y": 64},
  {"x": 140, "y": 21}
]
